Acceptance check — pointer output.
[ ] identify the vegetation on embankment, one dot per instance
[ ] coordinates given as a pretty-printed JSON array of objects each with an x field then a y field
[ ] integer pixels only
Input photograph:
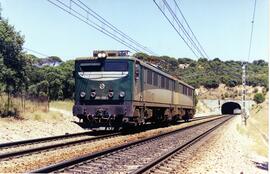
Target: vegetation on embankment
[
  {"x": 224, "y": 92},
  {"x": 257, "y": 127},
  {"x": 211, "y": 73},
  {"x": 62, "y": 104}
]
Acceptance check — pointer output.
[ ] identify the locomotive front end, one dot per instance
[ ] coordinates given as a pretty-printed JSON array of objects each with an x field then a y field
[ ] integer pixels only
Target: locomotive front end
[{"x": 103, "y": 89}]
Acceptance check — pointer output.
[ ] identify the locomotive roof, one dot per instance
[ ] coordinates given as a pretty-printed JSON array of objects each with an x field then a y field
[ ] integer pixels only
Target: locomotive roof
[{"x": 142, "y": 63}]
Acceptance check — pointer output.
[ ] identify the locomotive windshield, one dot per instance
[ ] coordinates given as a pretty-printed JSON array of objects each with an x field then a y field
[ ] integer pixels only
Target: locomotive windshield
[{"x": 103, "y": 66}]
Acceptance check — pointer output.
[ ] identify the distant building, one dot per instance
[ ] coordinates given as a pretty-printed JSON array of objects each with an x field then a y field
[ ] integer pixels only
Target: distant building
[{"x": 183, "y": 66}]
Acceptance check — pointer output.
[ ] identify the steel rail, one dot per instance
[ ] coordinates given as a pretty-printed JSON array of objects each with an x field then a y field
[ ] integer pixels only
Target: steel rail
[
  {"x": 49, "y": 147},
  {"x": 177, "y": 150},
  {"x": 44, "y": 139},
  {"x": 71, "y": 162},
  {"x": 37, "y": 140}
]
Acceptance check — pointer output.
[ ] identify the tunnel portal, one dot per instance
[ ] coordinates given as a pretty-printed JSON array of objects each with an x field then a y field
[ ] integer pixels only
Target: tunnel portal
[{"x": 229, "y": 107}]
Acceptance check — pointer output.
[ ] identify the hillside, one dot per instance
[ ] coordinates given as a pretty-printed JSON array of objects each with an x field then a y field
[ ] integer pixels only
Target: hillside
[
  {"x": 226, "y": 92},
  {"x": 211, "y": 73}
]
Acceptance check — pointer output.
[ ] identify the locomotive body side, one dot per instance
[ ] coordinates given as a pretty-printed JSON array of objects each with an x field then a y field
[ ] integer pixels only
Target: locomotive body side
[{"x": 163, "y": 98}]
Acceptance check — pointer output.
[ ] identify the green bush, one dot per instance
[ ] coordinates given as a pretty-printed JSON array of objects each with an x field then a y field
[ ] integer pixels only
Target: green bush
[
  {"x": 211, "y": 84},
  {"x": 231, "y": 83},
  {"x": 259, "y": 98}
]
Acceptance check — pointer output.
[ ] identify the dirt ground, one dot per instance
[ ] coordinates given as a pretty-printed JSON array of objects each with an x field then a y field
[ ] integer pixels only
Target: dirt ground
[
  {"x": 237, "y": 148},
  {"x": 20, "y": 129},
  {"x": 230, "y": 152}
]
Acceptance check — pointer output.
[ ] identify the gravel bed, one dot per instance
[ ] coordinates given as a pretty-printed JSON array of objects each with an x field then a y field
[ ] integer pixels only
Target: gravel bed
[
  {"x": 131, "y": 158},
  {"x": 28, "y": 163},
  {"x": 230, "y": 152},
  {"x": 42, "y": 144}
]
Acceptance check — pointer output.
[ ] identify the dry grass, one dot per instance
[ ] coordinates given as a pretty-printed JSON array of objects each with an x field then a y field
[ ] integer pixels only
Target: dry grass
[
  {"x": 225, "y": 92},
  {"x": 257, "y": 128},
  {"x": 65, "y": 105},
  {"x": 50, "y": 116},
  {"x": 30, "y": 110},
  {"x": 22, "y": 105}
]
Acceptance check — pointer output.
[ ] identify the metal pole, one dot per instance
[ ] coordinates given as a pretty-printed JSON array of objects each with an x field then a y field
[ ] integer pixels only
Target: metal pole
[{"x": 244, "y": 114}]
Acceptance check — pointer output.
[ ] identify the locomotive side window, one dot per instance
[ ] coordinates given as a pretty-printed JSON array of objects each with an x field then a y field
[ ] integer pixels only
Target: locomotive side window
[
  {"x": 162, "y": 82},
  {"x": 190, "y": 92},
  {"x": 172, "y": 85},
  {"x": 184, "y": 90},
  {"x": 181, "y": 88},
  {"x": 149, "y": 77},
  {"x": 167, "y": 83},
  {"x": 144, "y": 75},
  {"x": 176, "y": 86},
  {"x": 155, "y": 79}
]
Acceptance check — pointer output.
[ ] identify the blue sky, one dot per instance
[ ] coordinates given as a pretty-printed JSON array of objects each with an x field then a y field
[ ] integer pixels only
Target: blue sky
[{"x": 222, "y": 27}]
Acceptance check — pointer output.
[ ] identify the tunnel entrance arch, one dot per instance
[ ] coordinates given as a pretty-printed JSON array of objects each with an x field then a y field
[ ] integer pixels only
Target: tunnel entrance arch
[{"x": 230, "y": 107}]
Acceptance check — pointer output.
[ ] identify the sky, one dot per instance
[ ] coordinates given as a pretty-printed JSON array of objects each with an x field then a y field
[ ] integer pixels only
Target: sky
[{"x": 222, "y": 27}]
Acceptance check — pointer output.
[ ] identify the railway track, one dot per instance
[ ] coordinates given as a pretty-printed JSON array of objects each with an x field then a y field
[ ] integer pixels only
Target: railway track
[
  {"x": 172, "y": 161},
  {"x": 27, "y": 147},
  {"x": 59, "y": 137},
  {"x": 138, "y": 156}
]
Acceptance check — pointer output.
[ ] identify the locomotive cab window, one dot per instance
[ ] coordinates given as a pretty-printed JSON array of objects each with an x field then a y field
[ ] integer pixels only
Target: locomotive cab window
[
  {"x": 103, "y": 66},
  {"x": 116, "y": 66},
  {"x": 92, "y": 66}
]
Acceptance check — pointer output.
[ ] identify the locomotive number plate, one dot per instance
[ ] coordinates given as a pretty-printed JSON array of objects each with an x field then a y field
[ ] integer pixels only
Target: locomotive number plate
[{"x": 101, "y": 85}]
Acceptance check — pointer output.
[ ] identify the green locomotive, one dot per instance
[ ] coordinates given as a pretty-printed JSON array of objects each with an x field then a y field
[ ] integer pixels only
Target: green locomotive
[{"x": 113, "y": 89}]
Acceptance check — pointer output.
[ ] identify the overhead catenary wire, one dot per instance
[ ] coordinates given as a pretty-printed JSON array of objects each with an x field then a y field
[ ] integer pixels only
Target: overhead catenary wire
[
  {"x": 105, "y": 22},
  {"x": 101, "y": 24},
  {"x": 97, "y": 27},
  {"x": 175, "y": 29},
  {"x": 18, "y": 62},
  {"x": 34, "y": 51},
  {"x": 191, "y": 29},
  {"x": 245, "y": 64},
  {"x": 252, "y": 28},
  {"x": 183, "y": 29}
]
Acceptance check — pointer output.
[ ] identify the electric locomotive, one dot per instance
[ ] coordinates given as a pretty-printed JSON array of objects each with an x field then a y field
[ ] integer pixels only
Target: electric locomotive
[{"x": 113, "y": 89}]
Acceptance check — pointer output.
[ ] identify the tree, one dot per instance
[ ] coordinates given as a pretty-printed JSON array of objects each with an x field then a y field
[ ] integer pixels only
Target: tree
[
  {"x": 11, "y": 60},
  {"x": 259, "y": 98}
]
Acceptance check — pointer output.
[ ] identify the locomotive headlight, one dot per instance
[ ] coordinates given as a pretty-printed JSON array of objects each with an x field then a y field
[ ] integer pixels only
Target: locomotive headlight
[
  {"x": 110, "y": 95},
  {"x": 122, "y": 94},
  {"x": 93, "y": 94},
  {"x": 82, "y": 94},
  {"x": 102, "y": 55}
]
